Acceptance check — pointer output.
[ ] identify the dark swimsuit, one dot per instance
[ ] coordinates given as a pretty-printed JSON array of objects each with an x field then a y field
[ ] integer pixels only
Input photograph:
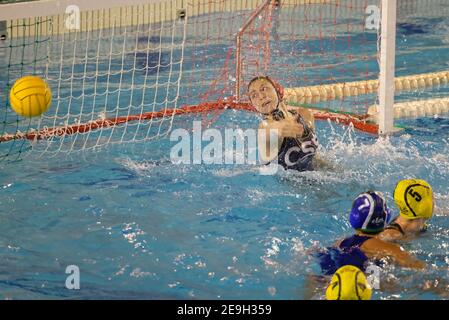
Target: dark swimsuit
[
  {"x": 347, "y": 253},
  {"x": 297, "y": 153},
  {"x": 397, "y": 227}
]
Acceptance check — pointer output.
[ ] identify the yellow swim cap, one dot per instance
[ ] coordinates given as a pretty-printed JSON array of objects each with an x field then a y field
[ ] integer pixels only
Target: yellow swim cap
[
  {"x": 348, "y": 283},
  {"x": 414, "y": 198}
]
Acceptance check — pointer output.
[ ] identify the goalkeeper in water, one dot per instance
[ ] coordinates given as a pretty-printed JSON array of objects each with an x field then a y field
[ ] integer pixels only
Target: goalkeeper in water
[{"x": 297, "y": 142}]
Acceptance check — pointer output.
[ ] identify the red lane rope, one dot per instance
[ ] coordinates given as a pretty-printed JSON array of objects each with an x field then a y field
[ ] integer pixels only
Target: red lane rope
[{"x": 358, "y": 122}]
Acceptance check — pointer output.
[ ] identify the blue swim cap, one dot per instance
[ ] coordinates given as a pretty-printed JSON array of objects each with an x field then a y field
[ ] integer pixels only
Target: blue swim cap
[{"x": 369, "y": 212}]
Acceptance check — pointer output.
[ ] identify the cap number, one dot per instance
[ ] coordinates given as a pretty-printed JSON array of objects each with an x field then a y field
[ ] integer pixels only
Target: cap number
[
  {"x": 364, "y": 205},
  {"x": 415, "y": 195}
]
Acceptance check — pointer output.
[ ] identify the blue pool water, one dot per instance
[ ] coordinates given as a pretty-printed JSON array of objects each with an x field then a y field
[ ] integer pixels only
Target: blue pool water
[{"x": 140, "y": 227}]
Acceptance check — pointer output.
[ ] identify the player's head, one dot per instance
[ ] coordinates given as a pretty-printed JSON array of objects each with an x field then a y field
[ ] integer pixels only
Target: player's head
[
  {"x": 414, "y": 199},
  {"x": 265, "y": 94},
  {"x": 369, "y": 212}
]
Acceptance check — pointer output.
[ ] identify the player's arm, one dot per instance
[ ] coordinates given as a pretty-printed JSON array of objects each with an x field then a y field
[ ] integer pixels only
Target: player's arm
[
  {"x": 379, "y": 249},
  {"x": 307, "y": 115}
]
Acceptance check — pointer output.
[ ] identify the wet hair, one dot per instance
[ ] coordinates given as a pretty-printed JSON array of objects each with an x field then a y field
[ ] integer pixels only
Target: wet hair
[{"x": 279, "y": 89}]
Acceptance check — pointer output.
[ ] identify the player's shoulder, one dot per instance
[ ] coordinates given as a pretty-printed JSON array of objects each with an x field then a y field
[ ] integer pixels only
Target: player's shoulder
[
  {"x": 299, "y": 110},
  {"x": 266, "y": 123},
  {"x": 389, "y": 235}
]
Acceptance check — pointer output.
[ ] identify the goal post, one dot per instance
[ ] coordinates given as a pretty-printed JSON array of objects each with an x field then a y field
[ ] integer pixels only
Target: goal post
[{"x": 387, "y": 66}]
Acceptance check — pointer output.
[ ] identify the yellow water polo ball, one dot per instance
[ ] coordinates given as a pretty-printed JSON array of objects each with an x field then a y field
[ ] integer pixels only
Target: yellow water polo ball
[
  {"x": 30, "y": 96},
  {"x": 348, "y": 283}
]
